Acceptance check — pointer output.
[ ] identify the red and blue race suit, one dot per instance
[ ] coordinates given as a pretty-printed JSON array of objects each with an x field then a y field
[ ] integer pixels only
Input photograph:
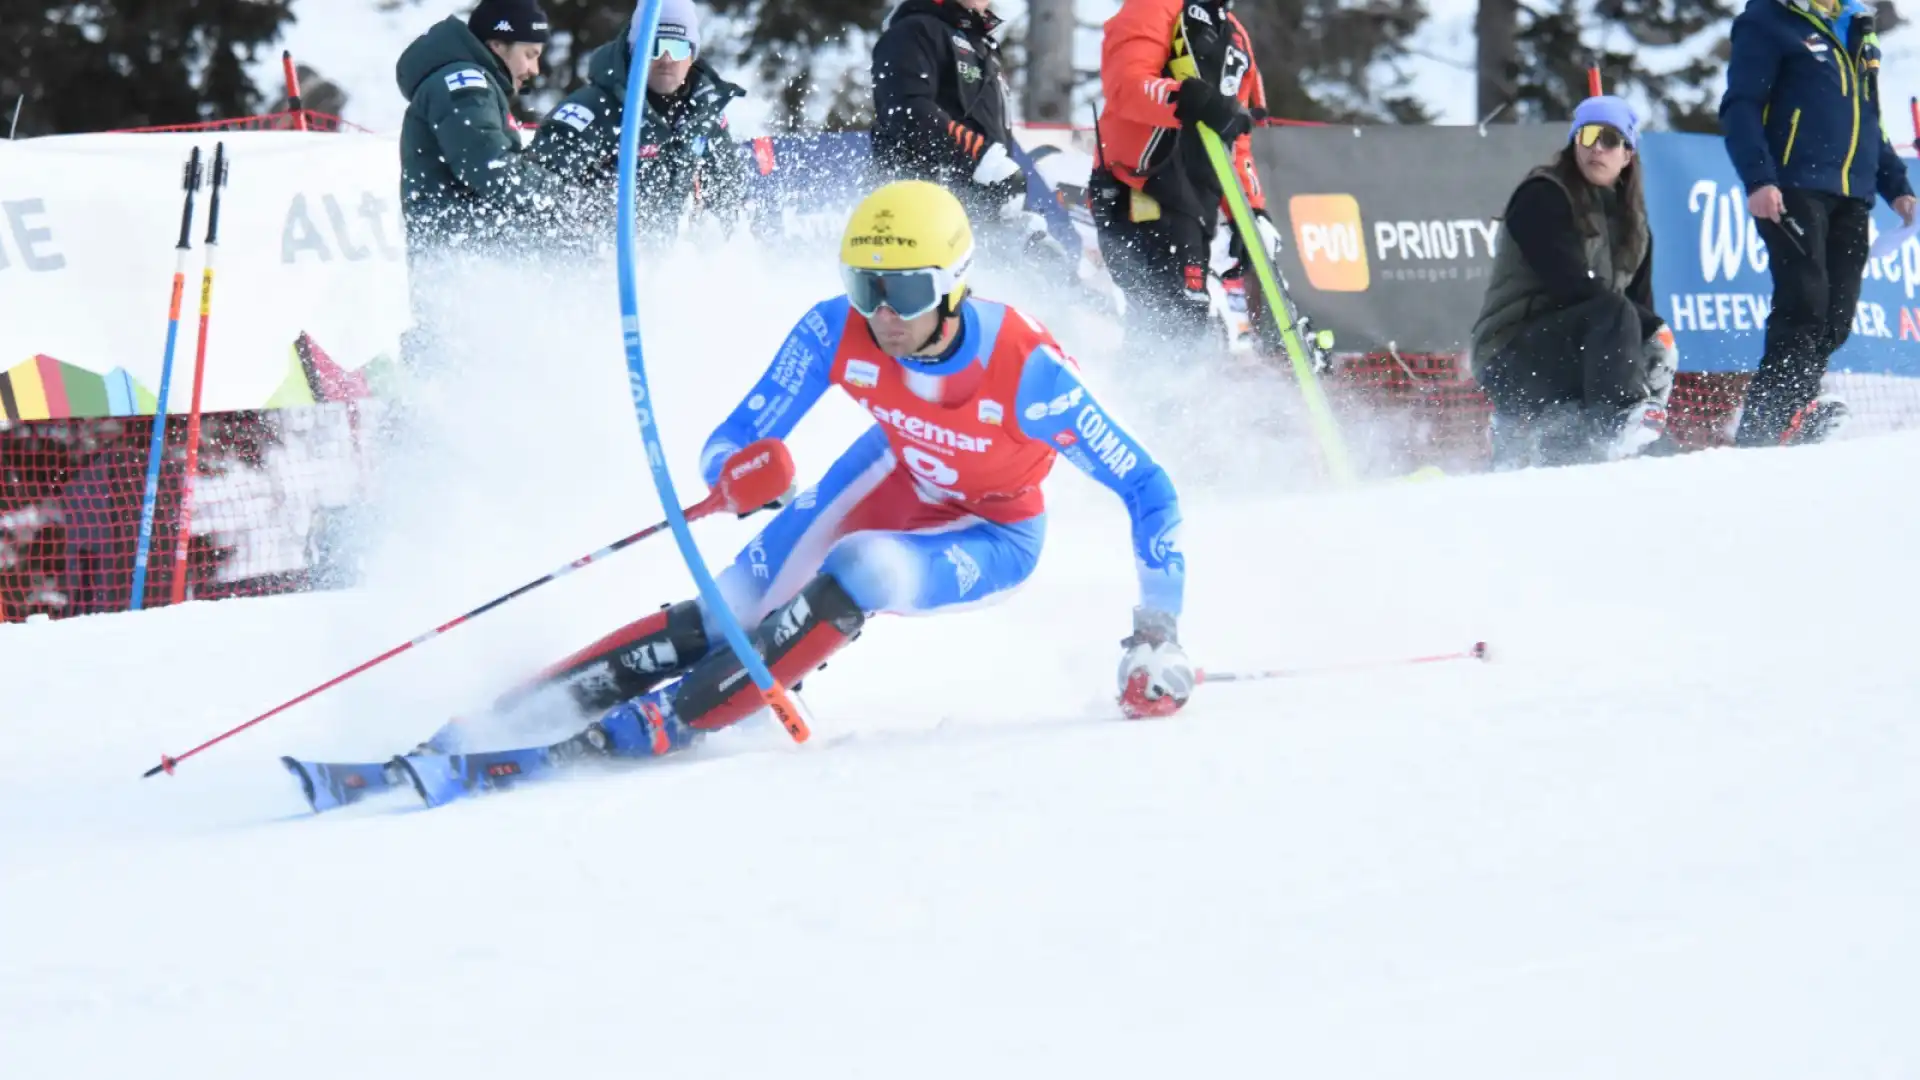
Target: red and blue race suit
[{"x": 939, "y": 504}]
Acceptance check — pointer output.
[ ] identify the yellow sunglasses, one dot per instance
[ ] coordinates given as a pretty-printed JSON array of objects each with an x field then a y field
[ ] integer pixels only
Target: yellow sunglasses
[{"x": 1606, "y": 136}]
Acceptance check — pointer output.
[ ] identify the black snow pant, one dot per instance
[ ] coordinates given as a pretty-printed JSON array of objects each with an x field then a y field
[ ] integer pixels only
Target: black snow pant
[
  {"x": 1563, "y": 383},
  {"x": 1160, "y": 265},
  {"x": 1816, "y": 289}
]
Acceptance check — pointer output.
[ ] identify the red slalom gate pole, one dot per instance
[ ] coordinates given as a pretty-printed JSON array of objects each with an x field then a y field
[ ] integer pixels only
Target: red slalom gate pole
[
  {"x": 294, "y": 104},
  {"x": 183, "y": 532},
  {"x": 701, "y": 509},
  {"x": 1477, "y": 652},
  {"x": 1593, "y": 81}
]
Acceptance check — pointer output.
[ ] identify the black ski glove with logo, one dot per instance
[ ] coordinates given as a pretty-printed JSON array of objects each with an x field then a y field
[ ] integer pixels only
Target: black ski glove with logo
[{"x": 1197, "y": 100}]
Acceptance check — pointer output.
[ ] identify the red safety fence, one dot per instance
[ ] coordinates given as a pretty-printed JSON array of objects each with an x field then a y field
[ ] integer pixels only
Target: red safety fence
[
  {"x": 290, "y": 120},
  {"x": 1443, "y": 415},
  {"x": 273, "y": 492}
]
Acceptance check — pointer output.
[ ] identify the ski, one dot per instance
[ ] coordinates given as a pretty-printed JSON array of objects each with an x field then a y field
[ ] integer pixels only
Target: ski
[
  {"x": 443, "y": 778},
  {"x": 329, "y": 785}
]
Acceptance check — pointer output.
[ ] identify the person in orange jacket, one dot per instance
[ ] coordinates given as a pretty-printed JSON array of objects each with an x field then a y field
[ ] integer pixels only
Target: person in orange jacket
[{"x": 1157, "y": 202}]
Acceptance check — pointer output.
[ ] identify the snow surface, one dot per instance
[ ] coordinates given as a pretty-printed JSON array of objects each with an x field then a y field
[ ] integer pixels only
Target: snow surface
[{"x": 1667, "y": 832}]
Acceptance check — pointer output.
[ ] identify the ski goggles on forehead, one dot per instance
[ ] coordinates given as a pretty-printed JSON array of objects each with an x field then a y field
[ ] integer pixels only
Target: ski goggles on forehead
[
  {"x": 668, "y": 48},
  {"x": 1605, "y": 136},
  {"x": 910, "y": 293}
]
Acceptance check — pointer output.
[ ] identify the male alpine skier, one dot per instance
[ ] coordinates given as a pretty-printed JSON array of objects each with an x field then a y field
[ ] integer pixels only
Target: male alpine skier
[{"x": 936, "y": 507}]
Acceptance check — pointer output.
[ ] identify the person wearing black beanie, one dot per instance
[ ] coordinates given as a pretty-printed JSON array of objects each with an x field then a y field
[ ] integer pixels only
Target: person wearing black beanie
[
  {"x": 509, "y": 20},
  {"x": 515, "y": 31},
  {"x": 465, "y": 182}
]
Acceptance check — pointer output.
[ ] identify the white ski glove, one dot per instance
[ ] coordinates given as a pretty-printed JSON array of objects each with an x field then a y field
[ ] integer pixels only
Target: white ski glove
[
  {"x": 1269, "y": 233},
  {"x": 995, "y": 166},
  {"x": 1155, "y": 676},
  {"x": 1663, "y": 360}
]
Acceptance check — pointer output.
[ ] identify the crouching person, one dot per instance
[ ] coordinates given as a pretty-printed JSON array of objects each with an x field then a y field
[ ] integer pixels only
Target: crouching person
[{"x": 1568, "y": 347}]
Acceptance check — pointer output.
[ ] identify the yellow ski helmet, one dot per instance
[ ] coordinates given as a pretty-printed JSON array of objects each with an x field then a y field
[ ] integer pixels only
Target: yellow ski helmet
[{"x": 908, "y": 246}]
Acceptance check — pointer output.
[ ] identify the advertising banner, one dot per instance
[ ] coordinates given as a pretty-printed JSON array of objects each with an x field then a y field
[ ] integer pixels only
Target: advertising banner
[
  {"x": 1710, "y": 269},
  {"x": 310, "y": 243},
  {"x": 1390, "y": 230},
  {"x": 1391, "y": 233}
]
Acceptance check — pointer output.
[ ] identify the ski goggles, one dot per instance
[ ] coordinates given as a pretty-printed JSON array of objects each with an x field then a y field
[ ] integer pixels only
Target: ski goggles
[
  {"x": 1606, "y": 136},
  {"x": 910, "y": 293},
  {"x": 668, "y": 48}
]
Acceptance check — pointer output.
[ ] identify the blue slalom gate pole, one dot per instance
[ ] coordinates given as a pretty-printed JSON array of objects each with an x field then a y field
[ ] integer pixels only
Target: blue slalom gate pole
[
  {"x": 1043, "y": 200},
  {"x": 156, "y": 447},
  {"x": 771, "y": 691}
]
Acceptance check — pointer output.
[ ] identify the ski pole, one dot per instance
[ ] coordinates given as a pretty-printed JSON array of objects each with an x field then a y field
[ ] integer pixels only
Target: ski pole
[
  {"x": 703, "y": 508},
  {"x": 1477, "y": 652},
  {"x": 183, "y": 533},
  {"x": 190, "y": 180}
]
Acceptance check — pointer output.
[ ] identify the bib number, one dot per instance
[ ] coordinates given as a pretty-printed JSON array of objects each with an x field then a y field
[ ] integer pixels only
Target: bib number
[{"x": 935, "y": 475}]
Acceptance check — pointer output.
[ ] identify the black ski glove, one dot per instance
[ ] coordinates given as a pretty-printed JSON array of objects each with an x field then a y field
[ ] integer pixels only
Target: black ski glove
[{"x": 1197, "y": 100}]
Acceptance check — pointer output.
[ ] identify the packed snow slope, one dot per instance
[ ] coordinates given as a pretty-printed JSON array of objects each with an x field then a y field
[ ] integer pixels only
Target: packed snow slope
[{"x": 1667, "y": 832}]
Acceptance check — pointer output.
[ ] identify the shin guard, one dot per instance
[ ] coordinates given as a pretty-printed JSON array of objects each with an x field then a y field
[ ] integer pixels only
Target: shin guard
[
  {"x": 630, "y": 661},
  {"x": 796, "y": 638}
]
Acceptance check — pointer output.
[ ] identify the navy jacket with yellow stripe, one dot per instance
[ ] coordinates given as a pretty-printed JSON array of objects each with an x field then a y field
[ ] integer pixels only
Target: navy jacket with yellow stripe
[{"x": 1802, "y": 107}]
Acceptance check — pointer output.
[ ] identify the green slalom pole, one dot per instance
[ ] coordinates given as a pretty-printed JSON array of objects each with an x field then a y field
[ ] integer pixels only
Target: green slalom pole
[{"x": 1318, "y": 410}]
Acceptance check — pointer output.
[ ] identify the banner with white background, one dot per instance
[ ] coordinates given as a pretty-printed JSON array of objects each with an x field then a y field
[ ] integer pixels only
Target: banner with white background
[{"x": 310, "y": 240}]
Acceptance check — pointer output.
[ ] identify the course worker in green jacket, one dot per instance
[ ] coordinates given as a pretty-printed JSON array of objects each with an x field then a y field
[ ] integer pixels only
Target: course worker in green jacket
[
  {"x": 464, "y": 179},
  {"x": 685, "y": 150}
]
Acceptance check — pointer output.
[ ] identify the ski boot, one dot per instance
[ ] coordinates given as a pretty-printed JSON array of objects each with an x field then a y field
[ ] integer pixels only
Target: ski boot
[
  {"x": 644, "y": 726},
  {"x": 1817, "y": 421}
]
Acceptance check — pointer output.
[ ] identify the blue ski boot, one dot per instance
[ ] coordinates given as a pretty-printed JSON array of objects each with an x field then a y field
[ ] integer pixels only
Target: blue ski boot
[{"x": 644, "y": 726}]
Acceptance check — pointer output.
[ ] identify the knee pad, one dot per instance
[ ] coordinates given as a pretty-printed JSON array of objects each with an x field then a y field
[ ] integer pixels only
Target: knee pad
[{"x": 795, "y": 638}]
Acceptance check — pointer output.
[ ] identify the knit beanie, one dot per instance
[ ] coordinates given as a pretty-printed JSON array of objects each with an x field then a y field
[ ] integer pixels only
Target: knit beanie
[
  {"x": 678, "y": 19},
  {"x": 1609, "y": 110}
]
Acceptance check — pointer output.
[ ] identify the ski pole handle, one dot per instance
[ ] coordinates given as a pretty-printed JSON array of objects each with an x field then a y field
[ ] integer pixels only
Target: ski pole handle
[
  {"x": 703, "y": 508},
  {"x": 217, "y": 181},
  {"x": 190, "y": 178}
]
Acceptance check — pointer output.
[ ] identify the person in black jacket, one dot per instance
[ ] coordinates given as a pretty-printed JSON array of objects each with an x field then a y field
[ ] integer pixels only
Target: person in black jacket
[
  {"x": 1568, "y": 347},
  {"x": 686, "y": 150},
  {"x": 940, "y": 106},
  {"x": 464, "y": 181}
]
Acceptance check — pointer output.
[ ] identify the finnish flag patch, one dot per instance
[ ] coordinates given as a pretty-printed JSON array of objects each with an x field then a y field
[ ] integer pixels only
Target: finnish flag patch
[
  {"x": 466, "y": 79},
  {"x": 574, "y": 115}
]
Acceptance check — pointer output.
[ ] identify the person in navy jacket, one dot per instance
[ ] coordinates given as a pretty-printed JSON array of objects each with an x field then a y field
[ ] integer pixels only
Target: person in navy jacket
[{"x": 1801, "y": 117}]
